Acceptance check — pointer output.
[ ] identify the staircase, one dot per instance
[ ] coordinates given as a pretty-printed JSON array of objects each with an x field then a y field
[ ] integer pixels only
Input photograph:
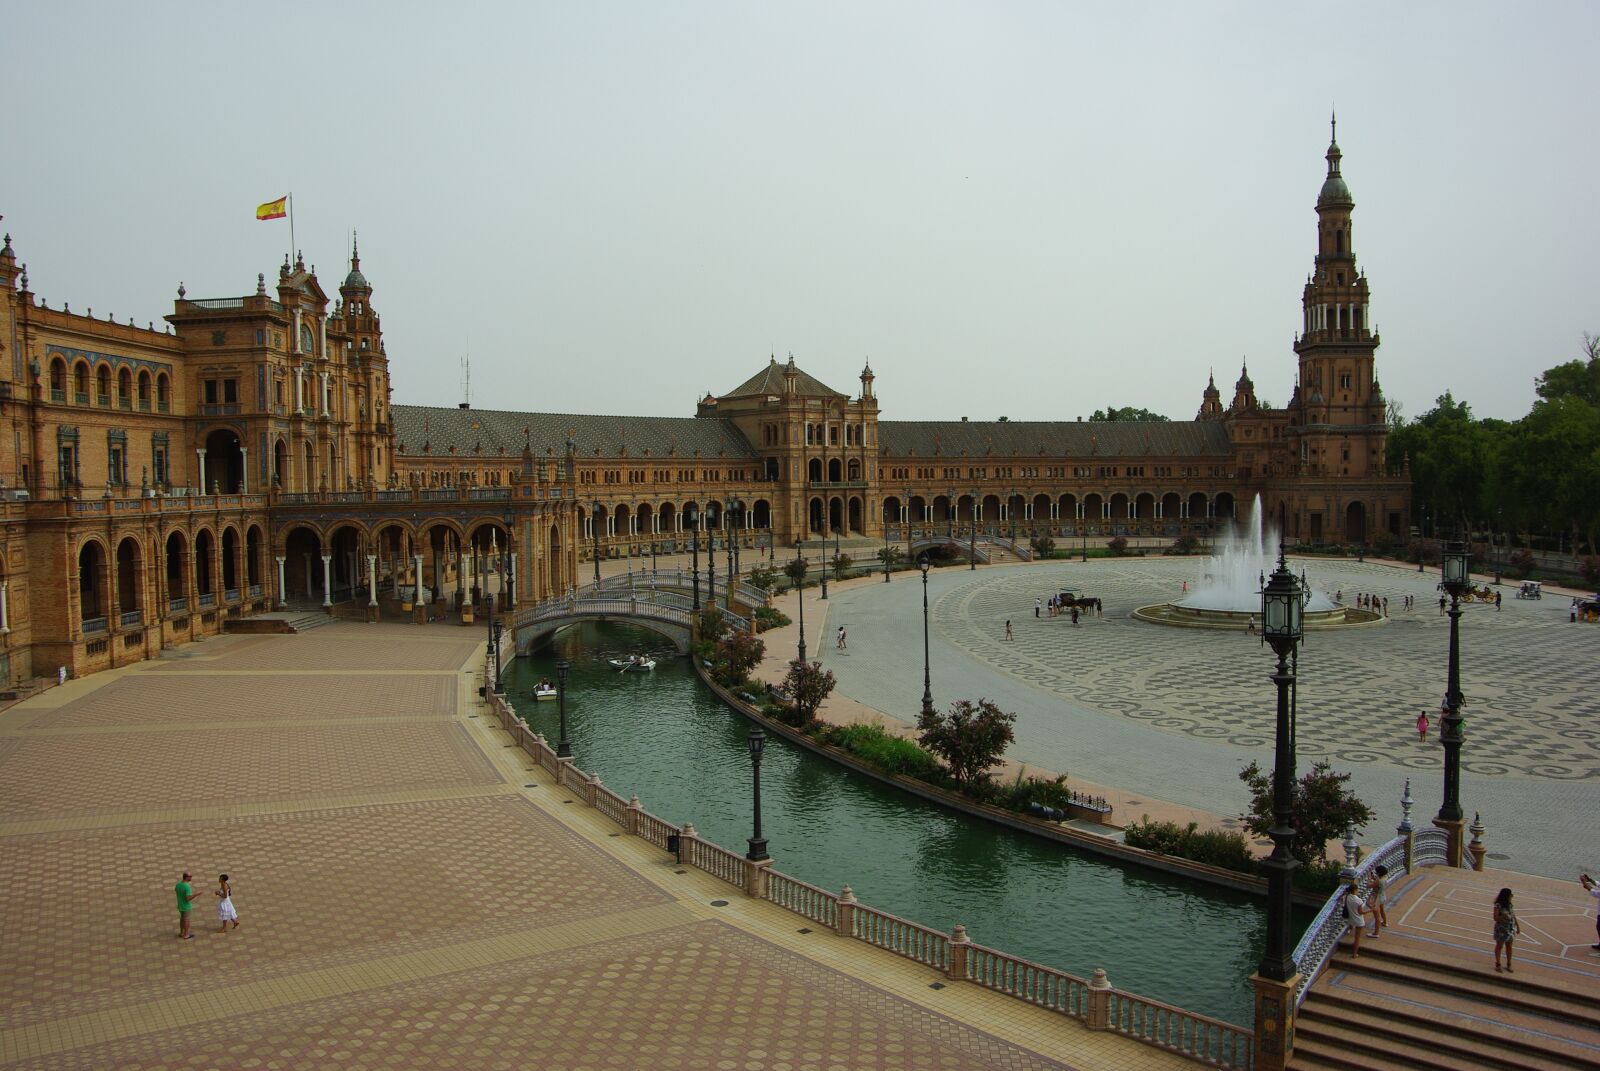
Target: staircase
[{"x": 1406, "y": 1003}]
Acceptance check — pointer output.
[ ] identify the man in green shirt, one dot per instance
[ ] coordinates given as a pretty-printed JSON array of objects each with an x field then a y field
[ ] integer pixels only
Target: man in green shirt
[{"x": 186, "y": 899}]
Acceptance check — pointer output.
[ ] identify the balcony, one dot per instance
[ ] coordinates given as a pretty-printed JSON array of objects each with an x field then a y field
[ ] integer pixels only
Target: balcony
[
  {"x": 230, "y": 595},
  {"x": 837, "y": 485},
  {"x": 94, "y": 624},
  {"x": 125, "y": 403},
  {"x": 131, "y": 619},
  {"x": 161, "y": 407},
  {"x": 178, "y": 605},
  {"x": 57, "y": 395},
  {"x": 144, "y": 405},
  {"x": 208, "y": 599},
  {"x": 80, "y": 397}
]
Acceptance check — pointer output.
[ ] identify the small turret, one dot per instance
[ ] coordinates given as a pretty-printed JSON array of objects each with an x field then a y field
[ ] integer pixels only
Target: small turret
[
  {"x": 866, "y": 380},
  {"x": 1211, "y": 400}
]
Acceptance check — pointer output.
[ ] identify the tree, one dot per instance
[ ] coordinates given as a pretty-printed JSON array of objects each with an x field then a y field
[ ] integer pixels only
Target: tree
[
  {"x": 712, "y": 626},
  {"x": 1321, "y": 808},
  {"x": 740, "y": 652},
  {"x": 842, "y": 566},
  {"x": 890, "y": 556},
  {"x": 796, "y": 572},
  {"x": 1111, "y": 412},
  {"x": 763, "y": 577},
  {"x": 807, "y": 685},
  {"x": 970, "y": 738},
  {"x": 1043, "y": 546}
]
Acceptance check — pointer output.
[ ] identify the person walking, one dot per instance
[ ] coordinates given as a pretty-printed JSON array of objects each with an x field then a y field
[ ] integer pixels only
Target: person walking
[
  {"x": 225, "y": 908},
  {"x": 839, "y": 642},
  {"x": 1422, "y": 727},
  {"x": 1441, "y": 605},
  {"x": 1506, "y": 928},
  {"x": 1074, "y": 617},
  {"x": 1037, "y": 606},
  {"x": 1499, "y": 597},
  {"x": 186, "y": 899},
  {"x": 1009, "y": 637},
  {"x": 1592, "y": 887}
]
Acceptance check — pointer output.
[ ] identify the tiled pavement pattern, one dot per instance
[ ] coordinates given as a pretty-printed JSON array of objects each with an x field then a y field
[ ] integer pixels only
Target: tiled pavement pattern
[
  {"x": 1174, "y": 713},
  {"x": 411, "y": 894}
]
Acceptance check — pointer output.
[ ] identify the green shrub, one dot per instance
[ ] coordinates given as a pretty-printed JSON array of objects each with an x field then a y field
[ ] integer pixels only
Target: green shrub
[
  {"x": 890, "y": 753},
  {"x": 770, "y": 617},
  {"x": 1520, "y": 564},
  {"x": 1117, "y": 545},
  {"x": 1383, "y": 544},
  {"x": 1184, "y": 544},
  {"x": 1226, "y": 848},
  {"x": 1043, "y": 546},
  {"x": 1319, "y": 878},
  {"x": 1046, "y": 792},
  {"x": 764, "y": 577}
]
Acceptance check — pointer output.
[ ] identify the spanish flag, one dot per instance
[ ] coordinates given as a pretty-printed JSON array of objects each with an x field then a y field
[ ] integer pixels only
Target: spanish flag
[{"x": 273, "y": 209}]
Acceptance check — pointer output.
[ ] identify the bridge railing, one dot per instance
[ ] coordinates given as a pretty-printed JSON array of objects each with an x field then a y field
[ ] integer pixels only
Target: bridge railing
[
  {"x": 1095, "y": 1003},
  {"x": 1322, "y": 937}
]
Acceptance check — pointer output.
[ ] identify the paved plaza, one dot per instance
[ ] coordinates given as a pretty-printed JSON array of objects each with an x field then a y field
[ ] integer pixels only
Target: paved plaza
[
  {"x": 411, "y": 894},
  {"x": 1172, "y": 714}
]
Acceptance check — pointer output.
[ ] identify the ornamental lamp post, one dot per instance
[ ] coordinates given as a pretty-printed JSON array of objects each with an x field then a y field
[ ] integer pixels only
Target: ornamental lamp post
[
  {"x": 563, "y": 745},
  {"x": 694, "y": 550},
  {"x": 594, "y": 526},
  {"x": 758, "y": 843},
  {"x": 972, "y": 546},
  {"x": 799, "y": 578},
  {"x": 1456, "y": 578},
  {"x": 1281, "y": 609},
  {"x": 494, "y": 638},
  {"x": 950, "y": 513},
  {"x": 1011, "y": 512},
  {"x": 907, "y": 514},
  {"x": 884, "y": 521},
  {"x": 927, "y": 680},
  {"x": 738, "y": 517}
]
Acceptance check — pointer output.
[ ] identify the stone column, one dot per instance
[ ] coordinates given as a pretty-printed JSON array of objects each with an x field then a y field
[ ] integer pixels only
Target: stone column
[
  {"x": 511, "y": 580},
  {"x": 322, "y": 398},
  {"x": 959, "y": 943},
  {"x": 1274, "y": 1021},
  {"x": 372, "y": 580},
  {"x": 327, "y": 581},
  {"x": 294, "y": 347},
  {"x": 200, "y": 454},
  {"x": 299, "y": 390},
  {"x": 244, "y": 470},
  {"x": 5, "y": 616},
  {"x": 1099, "y": 1000},
  {"x": 323, "y": 325},
  {"x": 282, "y": 594},
  {"x": 417, "y": 561}
]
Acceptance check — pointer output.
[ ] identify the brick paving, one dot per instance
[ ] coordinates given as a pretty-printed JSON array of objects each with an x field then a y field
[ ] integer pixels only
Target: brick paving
[{"x": 411, "y": 894}]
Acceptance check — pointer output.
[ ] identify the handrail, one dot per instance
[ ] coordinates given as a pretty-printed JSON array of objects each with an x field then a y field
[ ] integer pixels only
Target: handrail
[
  {"x": 901, "y": 936},
  {"x": 1029, "y": 981},
  {"x": 1186, "y": 1033},
  {"x": 808, "y": 901}
]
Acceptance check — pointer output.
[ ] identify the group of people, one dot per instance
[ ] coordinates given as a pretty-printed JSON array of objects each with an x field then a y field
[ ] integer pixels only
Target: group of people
[
  {"x": 226, "y": 912},
  {"x": 1054, "y": 606}
]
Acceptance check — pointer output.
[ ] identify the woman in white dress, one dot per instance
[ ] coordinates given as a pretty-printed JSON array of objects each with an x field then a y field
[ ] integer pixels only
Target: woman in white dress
[{"x": 225, "y": 909}]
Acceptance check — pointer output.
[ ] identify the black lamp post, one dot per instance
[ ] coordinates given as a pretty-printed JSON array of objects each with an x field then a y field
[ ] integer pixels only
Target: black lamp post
[
  {"x": 694, "y": 550},
  {"x": 499, "y": 686},
  {"x": 594, "y": 525},
  {"x": 738, "y": 526},
  {"x": 652, "y": 560},
  {"x": 711, "y": 572},
  {"x": 927, "y": 679},
  {"x": 1083, "y": 534},
  {"x": 972, "y": 546},
  {"x": 1422, "y": 533},
  {"x": 1456, "y": 579},
  {"x": 563, "y": 745},
  {"x": 908, "y": 523},
  {"x": 800, "y": 592},
  {"x": 950, "y": 513},
  {"x": 1011, "y": 513},
  {"x": 758, "y": 843},
  {"x": 494, "y": 640},
  {"x": 885, "y": 523},
  {"x": 825, "y": 565},
  {"x": 1281, "y": 607}
]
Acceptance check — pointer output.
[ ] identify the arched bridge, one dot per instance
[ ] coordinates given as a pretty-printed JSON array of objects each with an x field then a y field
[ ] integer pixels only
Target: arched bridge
[{"x": 666, "y": 613}]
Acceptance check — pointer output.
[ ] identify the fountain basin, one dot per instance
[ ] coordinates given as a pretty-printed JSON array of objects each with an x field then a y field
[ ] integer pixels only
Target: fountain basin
[{"x": 1182, "y": 616}]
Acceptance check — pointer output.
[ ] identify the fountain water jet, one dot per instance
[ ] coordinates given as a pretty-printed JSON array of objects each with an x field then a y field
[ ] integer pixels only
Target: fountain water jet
[{"x": 1228, "y": 593}]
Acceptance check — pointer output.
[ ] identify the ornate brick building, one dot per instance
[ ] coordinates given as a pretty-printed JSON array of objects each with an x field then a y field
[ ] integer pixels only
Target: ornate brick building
[{"x": 157, "y": 482}]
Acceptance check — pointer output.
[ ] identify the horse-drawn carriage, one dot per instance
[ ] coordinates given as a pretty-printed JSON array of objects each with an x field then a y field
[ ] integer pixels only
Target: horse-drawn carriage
[
  {"x": 1529, "y": 590},
  {"x": 1067, "y": 600}
]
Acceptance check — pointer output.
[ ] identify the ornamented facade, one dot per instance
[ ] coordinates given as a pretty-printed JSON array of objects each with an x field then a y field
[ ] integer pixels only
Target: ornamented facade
[{"x": 245, "y": 457}]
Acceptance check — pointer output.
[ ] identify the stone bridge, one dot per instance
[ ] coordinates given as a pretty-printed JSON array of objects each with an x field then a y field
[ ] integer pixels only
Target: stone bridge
[{"x": 664, "y": 612}]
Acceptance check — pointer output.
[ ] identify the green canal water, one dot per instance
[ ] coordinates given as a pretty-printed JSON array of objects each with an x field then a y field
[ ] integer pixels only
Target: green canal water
[{"x": 668, "y": 738}]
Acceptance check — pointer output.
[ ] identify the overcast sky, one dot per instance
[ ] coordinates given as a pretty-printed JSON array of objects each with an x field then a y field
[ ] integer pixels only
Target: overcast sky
[{"x": 1011, "y": 208}]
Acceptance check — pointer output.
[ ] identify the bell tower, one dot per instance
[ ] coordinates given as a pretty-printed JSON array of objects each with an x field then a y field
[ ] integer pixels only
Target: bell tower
[{"x": 1340, "y": 407}]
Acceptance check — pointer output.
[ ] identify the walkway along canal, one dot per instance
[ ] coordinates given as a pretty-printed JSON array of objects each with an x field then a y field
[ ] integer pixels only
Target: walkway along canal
[{"x": 670, "y": 740}]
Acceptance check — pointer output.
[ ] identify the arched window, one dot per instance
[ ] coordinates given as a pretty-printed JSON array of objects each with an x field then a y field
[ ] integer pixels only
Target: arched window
[
  {"x": 102, "y": 385},
  {"x": 125, "y": 389},
  {"x": 80, "y": 383},
  {"x": 58, "y": 380},
  {"x": 1338, "y": 240},
  {"x": 144, "y": 391},
  {"x": 163, "y": 393}
]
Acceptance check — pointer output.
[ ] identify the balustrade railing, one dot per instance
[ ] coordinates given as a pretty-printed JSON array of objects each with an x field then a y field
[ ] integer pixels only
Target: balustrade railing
[
  {"x": 909, "y": 939},
  {"x": 1025, "y": 980},
  {"x": 131, "y": 618},
  {"x": 95, "y": 624},
  {"x": 208, "y": 599},
  {"x": 1322, "y": 937},
  {"x": 1186, "y": 1033},
  {"x": 177, "y": 605},
  {"x": 807, "y": 901},
  {"x": 714, "y": 860}
]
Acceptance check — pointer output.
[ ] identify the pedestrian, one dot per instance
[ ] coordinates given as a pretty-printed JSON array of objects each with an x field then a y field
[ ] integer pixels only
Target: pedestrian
[
  {"x": 186, "y": 899},
  {"x": 1441, "y": 605},
  {"x": 1338, "y": 596},
  {"x": 1074, "y": 615},
  {"x": 225, "y": 909},
  {"x": 1009, "y": 637},
  {"x": 1499, "y": 597},
  {"x": 1037, "y": 604},
  {"x": 1592, "y": 887},
  {"x": 1422, "y": 727},
  {"x": 1386, "y": 606},
  {"x": 1355, "y": 916},
  {"x": 839, "y": 642},
  {"x": 1506, "y": 928},
  {"x": 61, "y": 673},
  {"x": 1379, "y": 899}
]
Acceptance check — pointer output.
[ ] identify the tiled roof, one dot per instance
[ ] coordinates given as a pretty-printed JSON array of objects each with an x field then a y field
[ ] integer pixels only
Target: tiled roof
[
  {"x": 491, "y": 429},
  {"x": 770, "y": 381},
  {"x": 1021, "y": 438}
]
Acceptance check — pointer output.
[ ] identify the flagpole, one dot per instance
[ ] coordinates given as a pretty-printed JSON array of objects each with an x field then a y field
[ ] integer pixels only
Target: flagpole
[{"x": 291, "y": 229}]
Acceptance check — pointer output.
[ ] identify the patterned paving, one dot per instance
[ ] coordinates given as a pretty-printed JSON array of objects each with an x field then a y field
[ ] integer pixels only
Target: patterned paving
[
  {"x": 1524, "y": 669},
  {"x": 411, "y": 894}
]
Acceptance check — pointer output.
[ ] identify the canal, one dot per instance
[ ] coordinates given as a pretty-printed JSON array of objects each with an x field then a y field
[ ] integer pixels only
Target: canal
[{"x": 668, "y": 738}]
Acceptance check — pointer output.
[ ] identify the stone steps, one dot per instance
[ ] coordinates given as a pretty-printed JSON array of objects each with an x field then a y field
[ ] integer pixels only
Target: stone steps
[{"x": 1402, "y": 1006}]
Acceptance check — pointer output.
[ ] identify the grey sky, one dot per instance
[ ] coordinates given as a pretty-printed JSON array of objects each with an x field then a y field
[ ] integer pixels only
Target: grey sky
[{"x": 1011, "y": 208}]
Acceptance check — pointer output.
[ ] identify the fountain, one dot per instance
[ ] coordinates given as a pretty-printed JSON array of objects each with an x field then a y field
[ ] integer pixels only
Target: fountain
[{"x": 1228, "y": 593}]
